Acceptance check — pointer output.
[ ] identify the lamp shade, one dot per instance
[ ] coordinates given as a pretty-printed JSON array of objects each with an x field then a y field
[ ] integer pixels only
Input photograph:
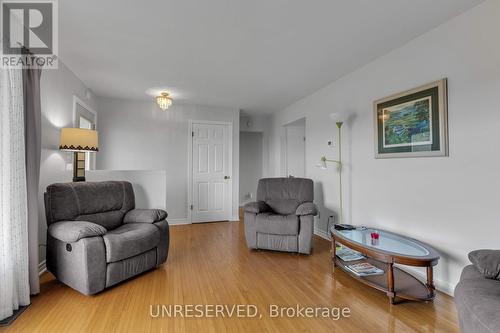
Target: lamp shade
[
  {"x": 339, "y": 116},
  {"x": 78, "y": 139}
]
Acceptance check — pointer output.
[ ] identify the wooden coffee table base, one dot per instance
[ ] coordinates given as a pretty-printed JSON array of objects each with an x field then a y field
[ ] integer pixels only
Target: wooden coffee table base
[{"x": 395, "y": 282}]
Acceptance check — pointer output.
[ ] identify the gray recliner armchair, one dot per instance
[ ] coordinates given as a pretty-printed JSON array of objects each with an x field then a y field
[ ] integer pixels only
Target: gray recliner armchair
[
  {"x": 282, "y": 219},
  {"x": 96, "y": 238}
]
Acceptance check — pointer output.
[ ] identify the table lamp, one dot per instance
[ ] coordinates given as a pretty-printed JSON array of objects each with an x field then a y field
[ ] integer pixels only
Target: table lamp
[{"x": 79, "y": 141}]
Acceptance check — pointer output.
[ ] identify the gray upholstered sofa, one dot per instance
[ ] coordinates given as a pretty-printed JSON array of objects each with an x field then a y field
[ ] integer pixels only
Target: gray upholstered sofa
[
  {"x": 282, "y": 219},
  {"x": 477, "y": 295},
  {"x": 96, "y": 238}
]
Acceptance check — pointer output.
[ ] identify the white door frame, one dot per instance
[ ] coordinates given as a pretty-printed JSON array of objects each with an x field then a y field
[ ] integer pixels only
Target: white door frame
[
  {"x": 191, "y": 122},
  {"x": 78, "y": 101}
]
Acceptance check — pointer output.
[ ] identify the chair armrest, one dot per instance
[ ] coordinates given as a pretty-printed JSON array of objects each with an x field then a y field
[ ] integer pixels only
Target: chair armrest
[
  {"x": 73, "y": 231},
  {"x": 257, "y": 207},
  {"x": 307, "y": 208},
  {"x": 145, "y": 216},
  {"x": 487, "y": 262}
]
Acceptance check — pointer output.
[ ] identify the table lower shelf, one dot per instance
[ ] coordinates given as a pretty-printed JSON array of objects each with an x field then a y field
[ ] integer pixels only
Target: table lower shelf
[{"x": 406, "y": 286}]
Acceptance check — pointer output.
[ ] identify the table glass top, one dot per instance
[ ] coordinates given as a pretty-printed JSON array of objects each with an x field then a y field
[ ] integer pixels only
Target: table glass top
[{"x": 386, "y": 242}]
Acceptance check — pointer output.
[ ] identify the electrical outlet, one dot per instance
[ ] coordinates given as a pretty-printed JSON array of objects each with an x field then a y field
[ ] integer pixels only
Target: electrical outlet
[{"x": 331, "y": 144}]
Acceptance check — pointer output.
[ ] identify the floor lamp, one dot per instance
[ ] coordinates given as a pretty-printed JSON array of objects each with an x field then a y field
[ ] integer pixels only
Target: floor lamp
[{"x": 338, "y": 162}]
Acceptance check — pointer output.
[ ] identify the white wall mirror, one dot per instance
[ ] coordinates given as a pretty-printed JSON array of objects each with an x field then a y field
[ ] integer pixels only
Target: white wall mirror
[{"x": 85, "y": 117}]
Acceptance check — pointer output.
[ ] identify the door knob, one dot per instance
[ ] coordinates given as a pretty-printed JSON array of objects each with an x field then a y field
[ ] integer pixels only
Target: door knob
[{"x": 227, "y": 177}]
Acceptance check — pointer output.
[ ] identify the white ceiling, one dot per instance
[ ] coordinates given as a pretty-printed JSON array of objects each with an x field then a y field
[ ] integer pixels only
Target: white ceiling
[{"x": 255, "y": 55}]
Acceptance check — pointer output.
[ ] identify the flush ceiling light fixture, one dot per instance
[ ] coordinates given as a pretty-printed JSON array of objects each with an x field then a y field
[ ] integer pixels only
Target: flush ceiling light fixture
[{"x": 164, "y": 101}]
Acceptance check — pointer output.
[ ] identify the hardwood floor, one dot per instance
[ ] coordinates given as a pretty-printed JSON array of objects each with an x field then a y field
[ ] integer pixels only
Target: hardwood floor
[{"x": 210, "y": 264}]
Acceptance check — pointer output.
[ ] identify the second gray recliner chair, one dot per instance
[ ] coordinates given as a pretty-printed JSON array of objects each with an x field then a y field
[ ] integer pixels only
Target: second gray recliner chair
[{"x": 282, "y": 219}]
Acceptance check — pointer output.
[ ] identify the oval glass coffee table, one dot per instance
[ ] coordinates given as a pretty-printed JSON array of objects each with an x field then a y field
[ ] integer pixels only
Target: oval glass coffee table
[{"x": 384, "y": 252}]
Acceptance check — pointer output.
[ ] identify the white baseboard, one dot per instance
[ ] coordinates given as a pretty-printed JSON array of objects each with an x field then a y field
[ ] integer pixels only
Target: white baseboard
[
  {"x": 321, "y": 233},
  {"x": 42, "y": 267},
  {"x": 440, "y": 285},
  {"x": 444, "y": 287},
  {"x": 182, "y": 221},
  {"x": 178, "y": 221}
]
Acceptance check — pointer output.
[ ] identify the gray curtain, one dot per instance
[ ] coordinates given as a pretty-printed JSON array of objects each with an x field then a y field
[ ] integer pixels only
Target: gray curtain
[{"x": 32, "y": 121}]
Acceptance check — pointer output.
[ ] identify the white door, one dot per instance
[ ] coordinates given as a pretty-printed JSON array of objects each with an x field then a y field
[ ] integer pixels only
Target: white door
[{"x": 212, "y": 184}]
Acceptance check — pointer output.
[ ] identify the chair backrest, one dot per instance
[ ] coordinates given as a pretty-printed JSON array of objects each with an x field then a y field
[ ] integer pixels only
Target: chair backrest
[
  {"x": 284, "y": 195},
  {"x": 104, "y": 203}
]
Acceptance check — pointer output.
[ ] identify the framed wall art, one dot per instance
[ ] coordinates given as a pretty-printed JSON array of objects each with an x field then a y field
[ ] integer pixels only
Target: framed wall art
[{"x": 413, "y": 123}]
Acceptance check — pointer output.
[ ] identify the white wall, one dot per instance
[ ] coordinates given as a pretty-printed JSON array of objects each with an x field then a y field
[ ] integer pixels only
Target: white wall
[
  {"x": 451, "y": 202},
  {"x": 137, "y": 135},
  {"x": 57, "y": 89},
  {"x": 150, "y": 186},
  {"x": 250, "y": 165},
  {"x": 295, "y": 134},
  {"x": 260, "y": 123}
]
